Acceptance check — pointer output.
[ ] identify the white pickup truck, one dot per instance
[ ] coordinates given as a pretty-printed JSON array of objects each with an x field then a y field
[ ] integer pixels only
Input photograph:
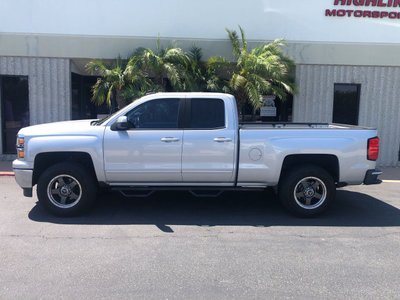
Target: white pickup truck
[{"x": 191, "y": 141}]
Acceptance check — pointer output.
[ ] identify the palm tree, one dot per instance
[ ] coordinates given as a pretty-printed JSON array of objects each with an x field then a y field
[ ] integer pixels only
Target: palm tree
[
  {"x": 164, "y": 66},
  {"x": 120, "y": 81},
  {"x": 219, "y": 70},
  {"x": 196, "y": 71},
  {"x": 260, "y": 71}
]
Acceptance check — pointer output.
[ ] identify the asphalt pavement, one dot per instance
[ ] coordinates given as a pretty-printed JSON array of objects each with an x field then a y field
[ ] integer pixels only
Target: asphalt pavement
[{"x": 175, "y": 246}]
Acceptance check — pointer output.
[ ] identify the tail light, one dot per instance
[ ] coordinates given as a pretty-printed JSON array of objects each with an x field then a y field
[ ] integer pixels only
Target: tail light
[{"x": 373, "y": 148}]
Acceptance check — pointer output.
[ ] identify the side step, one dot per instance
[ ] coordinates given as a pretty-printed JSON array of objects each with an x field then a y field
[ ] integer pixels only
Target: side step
[
  {"x": 146, "y": 191},
  {"x": 131, "y": 193},
  {"x": 206, "y": 193}
]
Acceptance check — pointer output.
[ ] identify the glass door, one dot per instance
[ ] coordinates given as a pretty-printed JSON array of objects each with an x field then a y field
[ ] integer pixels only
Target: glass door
[{"x": 14, "y": 108}]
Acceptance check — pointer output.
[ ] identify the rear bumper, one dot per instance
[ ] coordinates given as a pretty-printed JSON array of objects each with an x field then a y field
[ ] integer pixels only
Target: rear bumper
[{"x": 371, "y": 177}]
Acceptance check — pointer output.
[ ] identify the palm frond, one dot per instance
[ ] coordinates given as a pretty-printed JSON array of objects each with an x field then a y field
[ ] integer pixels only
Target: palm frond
[
  {"x": 172, "y": 74},
  {"x": 237, "y": 82},
  {"x": 99, "y": 90},
  {"x": 96, "y": 67},
  {"x": 110, "y": 93},
  {"x": 244, "y": 41},
  {"x": 234, "y": 38},
  {"x": 195, "y": 54},
  {"x": 253, "y": 94}
]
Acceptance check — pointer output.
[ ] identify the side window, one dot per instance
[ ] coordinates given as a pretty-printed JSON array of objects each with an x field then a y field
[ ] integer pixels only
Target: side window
[
  {"x": 207, "y": 113},
  {"x": 160, "y": 113}
]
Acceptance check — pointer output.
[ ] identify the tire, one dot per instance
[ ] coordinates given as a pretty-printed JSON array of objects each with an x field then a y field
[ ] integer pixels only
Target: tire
[
  {"x": 306, "y": 190},
  {"x": 66, "y": 189}
]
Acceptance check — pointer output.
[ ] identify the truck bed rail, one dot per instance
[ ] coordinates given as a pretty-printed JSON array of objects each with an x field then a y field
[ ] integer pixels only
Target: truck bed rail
[{"x": 254, "y": 125}]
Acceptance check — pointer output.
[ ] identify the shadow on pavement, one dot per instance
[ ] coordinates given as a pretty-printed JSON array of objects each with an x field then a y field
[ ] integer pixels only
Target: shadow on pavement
[{"x": 230, "y": 209}]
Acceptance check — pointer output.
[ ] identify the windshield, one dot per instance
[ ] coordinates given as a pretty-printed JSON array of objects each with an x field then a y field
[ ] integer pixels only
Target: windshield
[{"x": 102, "y": 121}]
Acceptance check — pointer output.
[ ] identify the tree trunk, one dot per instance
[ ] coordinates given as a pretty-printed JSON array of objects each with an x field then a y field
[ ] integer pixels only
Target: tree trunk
[
  {"x": 253, "y": 115},
  {"x": 121, "y": 102},
  {"x": 240, "y": 102}
]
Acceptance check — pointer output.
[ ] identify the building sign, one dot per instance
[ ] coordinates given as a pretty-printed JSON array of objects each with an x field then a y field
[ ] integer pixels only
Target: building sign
[
  {"x": 268, "y": 109},
  {"x": 375, "y": 9}
]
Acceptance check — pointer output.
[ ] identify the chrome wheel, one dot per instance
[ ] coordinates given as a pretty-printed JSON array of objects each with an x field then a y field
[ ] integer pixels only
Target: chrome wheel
[
  {"x": 310, "y": 192},
  {"x": 64, "y": 191}
]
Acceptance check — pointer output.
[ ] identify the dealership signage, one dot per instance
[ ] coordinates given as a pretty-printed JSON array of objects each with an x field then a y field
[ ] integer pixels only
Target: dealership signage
[
  {"x": 376, "y": 9},
  {"x": 268, "y": 109}
]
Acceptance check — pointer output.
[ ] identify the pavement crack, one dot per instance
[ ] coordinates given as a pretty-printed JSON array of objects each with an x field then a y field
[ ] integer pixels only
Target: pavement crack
[{"x": 345, "y": 236}]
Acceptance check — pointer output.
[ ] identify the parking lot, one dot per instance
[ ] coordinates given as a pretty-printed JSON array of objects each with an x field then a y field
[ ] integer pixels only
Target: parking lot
[{"x": 175, "y": 246}]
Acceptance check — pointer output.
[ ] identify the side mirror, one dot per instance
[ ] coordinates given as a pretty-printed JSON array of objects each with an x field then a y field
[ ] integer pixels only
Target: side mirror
[{"x": 121, "y": 124}]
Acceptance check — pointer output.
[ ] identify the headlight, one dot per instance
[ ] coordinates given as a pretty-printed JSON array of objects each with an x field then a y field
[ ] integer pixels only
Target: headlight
[{"x": 21, "y": 147}]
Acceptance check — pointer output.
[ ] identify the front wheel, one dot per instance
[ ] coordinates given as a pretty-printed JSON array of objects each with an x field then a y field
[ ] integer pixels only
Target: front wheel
[
  {"x": 307, "y": 191},
  {"x": 66, "y": 189}
]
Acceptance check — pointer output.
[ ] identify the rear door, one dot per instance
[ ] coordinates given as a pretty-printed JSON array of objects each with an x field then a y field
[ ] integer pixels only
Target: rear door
[{"x": 208, "y": 155}]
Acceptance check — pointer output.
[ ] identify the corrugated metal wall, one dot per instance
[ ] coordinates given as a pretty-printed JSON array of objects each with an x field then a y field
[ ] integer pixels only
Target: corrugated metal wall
[
  {"x": 379, "y": 100},
  {"x": 49, "y": 86}
]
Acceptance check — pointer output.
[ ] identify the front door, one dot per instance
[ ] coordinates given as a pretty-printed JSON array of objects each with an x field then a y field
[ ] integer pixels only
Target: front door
[{"x": 150, "y": 151}]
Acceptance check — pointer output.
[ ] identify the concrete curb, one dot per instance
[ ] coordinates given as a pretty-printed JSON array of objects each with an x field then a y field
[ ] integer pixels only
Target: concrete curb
[{"x": 3, "y": 174}]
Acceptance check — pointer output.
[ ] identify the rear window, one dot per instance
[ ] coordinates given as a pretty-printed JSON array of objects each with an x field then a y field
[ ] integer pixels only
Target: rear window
[{"x": 207, "y": 113}]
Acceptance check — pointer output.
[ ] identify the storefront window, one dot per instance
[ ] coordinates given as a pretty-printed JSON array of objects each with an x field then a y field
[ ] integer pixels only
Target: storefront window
[
  {"x": 82, "y": 106},
  {"x": 346, "y": 103},
  {"x": 14, "y": 108}
]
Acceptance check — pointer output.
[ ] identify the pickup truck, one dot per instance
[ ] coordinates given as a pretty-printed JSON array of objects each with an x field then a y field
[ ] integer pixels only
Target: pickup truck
[{"x": 192, "y": 141}]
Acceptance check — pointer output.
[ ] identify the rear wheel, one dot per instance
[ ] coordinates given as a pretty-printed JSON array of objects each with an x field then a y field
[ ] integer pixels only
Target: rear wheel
[
  {"x": 66, "y": 189},
  {"x": 307, "y": 190}
]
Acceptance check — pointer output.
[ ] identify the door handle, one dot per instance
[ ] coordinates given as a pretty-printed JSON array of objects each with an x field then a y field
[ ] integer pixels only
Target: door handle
[
  {"x": 169, "y": 139},
  {"x": 222, "y": 140}
]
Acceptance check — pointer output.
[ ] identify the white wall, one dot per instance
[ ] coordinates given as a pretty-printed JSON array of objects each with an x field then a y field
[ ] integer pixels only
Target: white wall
[{"x": 293, "y": 20}]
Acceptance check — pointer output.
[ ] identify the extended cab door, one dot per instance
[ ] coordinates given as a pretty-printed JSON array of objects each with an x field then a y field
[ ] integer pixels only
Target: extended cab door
[
  {"x": 151, "y": 150},
  {"x": 208, "y": 143}
]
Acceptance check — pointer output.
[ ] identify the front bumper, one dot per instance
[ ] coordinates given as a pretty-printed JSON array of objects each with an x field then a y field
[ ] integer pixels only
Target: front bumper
[
  {"x": 371, "y": 177},
  {"x": 24, "y": 180}
]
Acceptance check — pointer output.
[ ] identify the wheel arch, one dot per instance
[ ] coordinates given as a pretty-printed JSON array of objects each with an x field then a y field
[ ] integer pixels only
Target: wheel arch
[
  {"x": 46, "y": 159},
  {"x": 328, "y": 162}
]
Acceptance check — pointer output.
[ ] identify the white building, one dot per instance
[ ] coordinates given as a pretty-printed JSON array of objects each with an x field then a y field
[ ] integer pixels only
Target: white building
[{"x": 346, "y": 53}]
